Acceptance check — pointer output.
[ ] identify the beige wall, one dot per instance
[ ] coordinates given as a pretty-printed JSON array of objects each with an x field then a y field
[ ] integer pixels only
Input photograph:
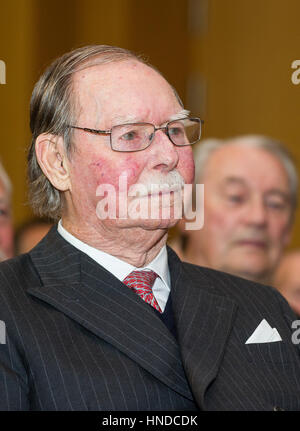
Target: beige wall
[
  {"x": 244, "y": 59},
  {"x": 230, "y": 61},
  {"x": 33, "y": 32},
  {"x": 16, "y": 39}
]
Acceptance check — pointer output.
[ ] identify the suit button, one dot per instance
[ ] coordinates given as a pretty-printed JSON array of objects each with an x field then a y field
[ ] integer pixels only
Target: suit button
[{"x": 278, "y": 409}]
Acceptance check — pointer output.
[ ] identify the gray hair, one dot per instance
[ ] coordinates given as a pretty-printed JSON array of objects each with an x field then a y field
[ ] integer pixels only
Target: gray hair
[
  {"x": 206, "y": 148},
  {"x": 5, "y": 180},
  {"x": 52, "y": 109}
]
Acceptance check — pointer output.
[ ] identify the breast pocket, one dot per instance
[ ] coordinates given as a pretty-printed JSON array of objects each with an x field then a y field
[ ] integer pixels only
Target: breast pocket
[{"x": 277, "y": 352}]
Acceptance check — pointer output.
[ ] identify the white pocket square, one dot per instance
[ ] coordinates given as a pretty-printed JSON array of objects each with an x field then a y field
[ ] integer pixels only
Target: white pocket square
[{"x": 264, "y": 334}]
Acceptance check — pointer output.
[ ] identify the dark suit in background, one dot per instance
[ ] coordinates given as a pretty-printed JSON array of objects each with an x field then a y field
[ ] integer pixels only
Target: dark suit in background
[{"x": 79, "y": 339}]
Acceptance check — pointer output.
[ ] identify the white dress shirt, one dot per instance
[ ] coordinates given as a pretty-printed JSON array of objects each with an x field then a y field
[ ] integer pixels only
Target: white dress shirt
[{"x": 120, "y": 269}]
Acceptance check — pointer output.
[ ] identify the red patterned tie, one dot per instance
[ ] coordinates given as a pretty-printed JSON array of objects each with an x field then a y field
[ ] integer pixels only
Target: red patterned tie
[{"x": 141, "y": 282}]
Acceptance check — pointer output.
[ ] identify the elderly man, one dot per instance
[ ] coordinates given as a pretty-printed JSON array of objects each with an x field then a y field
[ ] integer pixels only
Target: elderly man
[
  {"x": 6, "y": 225},
  {"x": 250, "y": 197},
  {"x": 100, "y": 315}
]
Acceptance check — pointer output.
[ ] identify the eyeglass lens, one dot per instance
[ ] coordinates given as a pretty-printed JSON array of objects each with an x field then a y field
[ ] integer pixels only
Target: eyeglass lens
[{"x": 136, "y": 137}]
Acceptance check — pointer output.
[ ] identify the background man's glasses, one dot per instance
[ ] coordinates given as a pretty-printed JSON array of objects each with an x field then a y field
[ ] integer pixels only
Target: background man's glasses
[{"x": 138, "y": 136}]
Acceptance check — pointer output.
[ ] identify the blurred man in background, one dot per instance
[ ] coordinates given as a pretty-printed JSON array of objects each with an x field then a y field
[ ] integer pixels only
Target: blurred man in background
[
  {"x": 287, "y": 279},
  {"x": 250, "y": 185},
  {"x": 6, "y": 225}
]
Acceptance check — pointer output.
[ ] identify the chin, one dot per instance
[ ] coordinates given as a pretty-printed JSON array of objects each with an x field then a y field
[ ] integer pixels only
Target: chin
[
  {"x": 155, "y": 224},
  {"x": 259, "y": 274}
]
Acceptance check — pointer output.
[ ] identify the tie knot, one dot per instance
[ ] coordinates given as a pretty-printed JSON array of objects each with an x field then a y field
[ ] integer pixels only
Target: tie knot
[
  {"x": 141, "y": 282},
  {"x": 140, "y": 278}
]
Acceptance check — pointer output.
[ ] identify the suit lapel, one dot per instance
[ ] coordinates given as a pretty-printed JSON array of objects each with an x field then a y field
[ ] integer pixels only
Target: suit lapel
[
  {"x": 87, "y": 293},
  {"x": 204, "y": 320}
]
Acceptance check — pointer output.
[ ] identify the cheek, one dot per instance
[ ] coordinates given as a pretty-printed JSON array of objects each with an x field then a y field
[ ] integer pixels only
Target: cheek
[
  {"x": 109, "y": 172},
  {"x": 279, "y": 229},
  {"x": 6, "y": 235},
  {"x": 219, "y": 223},
  {"x": 186, "y": 166}
]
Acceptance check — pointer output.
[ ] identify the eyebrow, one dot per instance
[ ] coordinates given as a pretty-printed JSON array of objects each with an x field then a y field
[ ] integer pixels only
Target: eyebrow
[
  {"x": 234, "y": 180},
  {"x": 182, "y": 114},
  {"x": 122, "y": 119},
  {"x": 284, "y": 195},
  {"x": 119, "y": 119},
  {"x": 240, "y": 181}
]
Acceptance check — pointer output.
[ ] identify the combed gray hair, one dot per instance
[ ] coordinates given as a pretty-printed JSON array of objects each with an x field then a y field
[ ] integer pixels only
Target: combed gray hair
[
  {"x": 5, "y": 180},
  {"x": 52, "y": 109},
  {"x": 207, "y": 147}
]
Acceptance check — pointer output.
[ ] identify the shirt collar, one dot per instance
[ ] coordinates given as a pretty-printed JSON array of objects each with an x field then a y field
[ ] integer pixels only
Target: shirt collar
[{"x": 119, "y": 268}]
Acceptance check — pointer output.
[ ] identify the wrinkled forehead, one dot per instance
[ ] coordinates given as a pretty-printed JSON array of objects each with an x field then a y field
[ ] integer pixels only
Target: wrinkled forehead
[
  {"x": 117, "y": 73},
  {"x": 129, "y": 85}
]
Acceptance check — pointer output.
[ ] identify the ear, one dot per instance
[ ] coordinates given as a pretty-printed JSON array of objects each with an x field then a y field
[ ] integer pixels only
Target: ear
[{"x": 52, "y": 159}]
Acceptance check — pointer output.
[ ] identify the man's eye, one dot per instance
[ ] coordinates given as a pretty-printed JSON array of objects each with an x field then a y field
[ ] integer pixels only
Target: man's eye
[
  {"x": 235, "y": 198},
  {"x": 129, "y": 136},
  {"x": 4, "y": 215},
  {"x": 175, "y": 131},
  {"x": 276, "y": 205}
]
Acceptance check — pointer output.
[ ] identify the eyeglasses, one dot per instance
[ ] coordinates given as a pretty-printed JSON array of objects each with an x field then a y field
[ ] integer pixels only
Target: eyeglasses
[{"x": 138, "y": 136}]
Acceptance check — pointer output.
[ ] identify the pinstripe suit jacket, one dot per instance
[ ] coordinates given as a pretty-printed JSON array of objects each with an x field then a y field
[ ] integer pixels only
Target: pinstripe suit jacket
[{"x": 77, "y": 339}]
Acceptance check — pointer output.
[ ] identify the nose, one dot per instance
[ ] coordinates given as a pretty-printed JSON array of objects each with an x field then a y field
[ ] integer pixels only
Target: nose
[
  {"x": 256, "y": 213},
  {"x": 164, "y": 151}
]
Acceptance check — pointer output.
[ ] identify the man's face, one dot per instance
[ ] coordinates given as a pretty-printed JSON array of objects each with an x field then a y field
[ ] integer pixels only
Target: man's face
[
  {"x": 110, "y": 95},
  {"x": 6, "y": 227},
  {"x": 247, "y": 212}
]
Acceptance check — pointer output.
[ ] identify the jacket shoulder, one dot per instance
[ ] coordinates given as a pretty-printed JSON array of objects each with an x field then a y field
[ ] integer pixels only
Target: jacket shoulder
[
  {"x": 239, "y": 289},
  {"x": 17, "y": 273}
]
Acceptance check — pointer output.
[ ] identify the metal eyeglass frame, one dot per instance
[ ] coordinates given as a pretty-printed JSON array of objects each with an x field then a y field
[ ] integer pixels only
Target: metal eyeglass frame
[{"x": 166, "y": 128}]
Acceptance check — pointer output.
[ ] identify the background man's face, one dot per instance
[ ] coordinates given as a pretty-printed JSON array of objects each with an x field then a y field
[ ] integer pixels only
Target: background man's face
[
  {"x": 247, "y": 212},
  {"x": 6, "y": 227},
  {"x": 115, "y": 94}
]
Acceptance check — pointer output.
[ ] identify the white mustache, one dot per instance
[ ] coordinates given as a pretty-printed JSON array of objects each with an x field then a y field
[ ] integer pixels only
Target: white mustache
[{"x": 158, "y": 183}]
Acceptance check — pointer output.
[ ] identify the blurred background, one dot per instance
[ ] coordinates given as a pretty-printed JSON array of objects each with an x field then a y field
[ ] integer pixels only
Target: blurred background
[{"x": 230, "y": 61}]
